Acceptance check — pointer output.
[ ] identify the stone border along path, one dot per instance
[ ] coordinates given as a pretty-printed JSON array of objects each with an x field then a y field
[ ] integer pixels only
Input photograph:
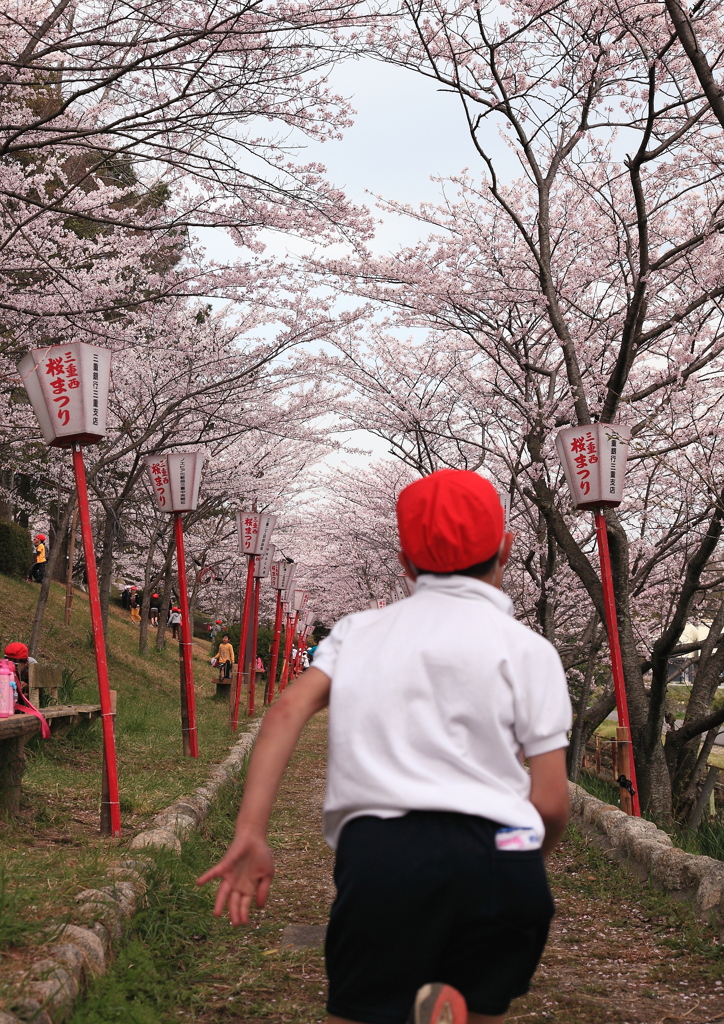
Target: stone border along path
[
  {"x": 53, "y": 985},
  {"x": 648, "y": 853}
]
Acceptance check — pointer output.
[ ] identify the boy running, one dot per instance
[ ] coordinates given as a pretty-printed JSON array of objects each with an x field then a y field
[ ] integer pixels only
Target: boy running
[{"x": 439, "y": 831}]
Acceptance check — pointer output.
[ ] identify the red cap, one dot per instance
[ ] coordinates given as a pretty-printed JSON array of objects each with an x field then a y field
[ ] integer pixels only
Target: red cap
[
  {"x": 450, "y": 520},
  {"x": 17, "y": 651},
  {"x": 154, "y": 595},
  {"x": 40, "y": 536}
]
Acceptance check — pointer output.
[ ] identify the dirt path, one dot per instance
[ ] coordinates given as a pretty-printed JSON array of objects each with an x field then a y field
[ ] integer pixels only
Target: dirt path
[{"x": 618, "y": 952}]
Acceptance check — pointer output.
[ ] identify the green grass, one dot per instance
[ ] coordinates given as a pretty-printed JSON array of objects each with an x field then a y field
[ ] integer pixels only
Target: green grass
[
  {"x": 243, "y": 975},
  {"x": 229, "y": 974},
  {"x": 53, "y": 849},
  {"x": 675, "y": 920},
  {"x": 143, "y": 985}
]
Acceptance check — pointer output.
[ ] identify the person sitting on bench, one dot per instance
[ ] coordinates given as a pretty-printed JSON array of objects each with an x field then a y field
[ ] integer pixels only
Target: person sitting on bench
[{"x": 18, "y": 654}]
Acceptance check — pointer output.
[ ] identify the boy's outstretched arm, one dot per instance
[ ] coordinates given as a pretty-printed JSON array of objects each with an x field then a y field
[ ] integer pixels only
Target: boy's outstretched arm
[{"x": 247, "y": 868}]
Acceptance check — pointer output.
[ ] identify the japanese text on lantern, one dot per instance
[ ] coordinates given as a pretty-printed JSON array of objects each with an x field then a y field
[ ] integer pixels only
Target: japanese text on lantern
[
  {"x": 63, "y": 374},
  {"x": 614, "y": 457},
  {"x": 182, "y": 481},
  {"x": 160, "y": 478},
  {"x": 585, "y": 454},
  {"x": 96, "y": 389},
  {"x": 251, "y": 530}
]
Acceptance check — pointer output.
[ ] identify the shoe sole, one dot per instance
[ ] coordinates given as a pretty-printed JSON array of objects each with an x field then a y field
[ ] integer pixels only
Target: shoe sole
[{"x": 440, "y": 1004}]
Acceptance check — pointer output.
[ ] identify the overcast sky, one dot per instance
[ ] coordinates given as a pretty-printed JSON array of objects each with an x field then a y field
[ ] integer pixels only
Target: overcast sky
[{"x": 406, "y": 131}]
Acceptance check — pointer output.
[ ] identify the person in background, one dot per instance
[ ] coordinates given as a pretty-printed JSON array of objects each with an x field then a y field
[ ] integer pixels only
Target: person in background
[
  {"x": 38, "y": 569},
  {"x": 18, "y": 653},
  {"x": 135, "y": 605},
  {"x": 154, "y": 609},
  {"x": 225, "y": 658},
  {"x": 126, "y": 597},
  {"x": 174, "y": 621}
]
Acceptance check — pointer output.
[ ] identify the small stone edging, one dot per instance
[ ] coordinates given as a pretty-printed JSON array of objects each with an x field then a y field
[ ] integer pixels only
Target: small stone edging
[
  {"x": 647, "y": 852},
  {"x": 52, "y": 985}
]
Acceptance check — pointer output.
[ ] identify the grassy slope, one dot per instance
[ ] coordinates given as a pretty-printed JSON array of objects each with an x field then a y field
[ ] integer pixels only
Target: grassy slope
[{"x": 53, "y": 849}]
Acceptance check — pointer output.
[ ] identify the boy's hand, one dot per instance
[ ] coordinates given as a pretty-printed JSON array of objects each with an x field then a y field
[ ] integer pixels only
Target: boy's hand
[{"x": 246, "y": 871}]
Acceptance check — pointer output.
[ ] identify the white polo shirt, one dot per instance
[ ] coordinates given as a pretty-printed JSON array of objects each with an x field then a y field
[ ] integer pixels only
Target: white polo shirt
[{"x": 432, "y": 701}]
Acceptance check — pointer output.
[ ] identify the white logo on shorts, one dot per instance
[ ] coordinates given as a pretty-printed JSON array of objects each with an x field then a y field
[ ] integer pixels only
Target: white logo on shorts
[{"x": 517, "y": 839}]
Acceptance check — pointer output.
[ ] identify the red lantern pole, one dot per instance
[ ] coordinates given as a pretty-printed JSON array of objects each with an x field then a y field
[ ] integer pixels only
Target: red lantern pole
[
  {"x": 619, "y": 685},
  {"x": 275, "y": 649},
  {"x": 300, "y": 651},
  {"x": 254, "y": 639},
  {"x": 186, "y": 666},
  {"x": 287, "y": 652},
  {"x": 110, "y": 810},
  {"x": 245, "y": 609},
  {"x": 295, "y": 627}
]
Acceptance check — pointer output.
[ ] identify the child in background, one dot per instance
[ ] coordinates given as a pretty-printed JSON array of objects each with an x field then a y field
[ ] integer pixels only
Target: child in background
[
  {"x": 174, "y": 621},
  {"x": 38, "y": 570},
  {"x": 440, "y": 833},
  {"x": 225, "y": 658}
]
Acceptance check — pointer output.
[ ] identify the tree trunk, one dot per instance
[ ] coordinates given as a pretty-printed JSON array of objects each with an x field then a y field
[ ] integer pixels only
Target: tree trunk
[
  {"x": 150, "y": 581},
  {"x": 105, "y": 566},
  {"x": 50, "y": 567},
  {"x": 688, "y": 796},
  {"x": 7, "y": 506},
  {"x": 166, "y": 599},
  {"x": 574, "y": 755},
  {"x": 652, "y": 773}
]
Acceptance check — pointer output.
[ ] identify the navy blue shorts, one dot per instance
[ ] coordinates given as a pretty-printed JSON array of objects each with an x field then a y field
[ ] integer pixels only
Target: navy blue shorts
[{"x": 428, "y": 897}]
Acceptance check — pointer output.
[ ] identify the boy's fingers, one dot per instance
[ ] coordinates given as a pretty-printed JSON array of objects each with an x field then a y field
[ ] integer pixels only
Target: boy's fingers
[
  {"x": 262, "y": 890},
  {"x": 235, "y": 908},
  {"x": 245, "y": 907},
  {"x": 221, "y": 898},
  {"x": 214, "y": 872},
  {"x": 239, "y": 904}
]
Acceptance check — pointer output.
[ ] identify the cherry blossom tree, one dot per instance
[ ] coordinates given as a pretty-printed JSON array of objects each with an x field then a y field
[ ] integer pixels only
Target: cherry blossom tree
[{"x": 589, "y": 287}]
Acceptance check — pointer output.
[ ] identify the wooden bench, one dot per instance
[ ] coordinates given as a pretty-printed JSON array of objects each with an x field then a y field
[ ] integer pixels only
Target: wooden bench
[
  {"x": 15, "y": 731},
  {"x": 44, "y": 679}
]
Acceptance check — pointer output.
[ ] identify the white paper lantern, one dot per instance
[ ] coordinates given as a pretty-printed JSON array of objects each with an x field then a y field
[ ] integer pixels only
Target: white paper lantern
[
  {"x": 176, "y": 478},
  {"x": 300, "y": 600},
  {"x": 282, "y": 574},
  {"x": 68, "y": 389},
  {"x": 255, "y": 530},
  {"x": 594, "y": 461},
  {"x": 264, "y": 562}
]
